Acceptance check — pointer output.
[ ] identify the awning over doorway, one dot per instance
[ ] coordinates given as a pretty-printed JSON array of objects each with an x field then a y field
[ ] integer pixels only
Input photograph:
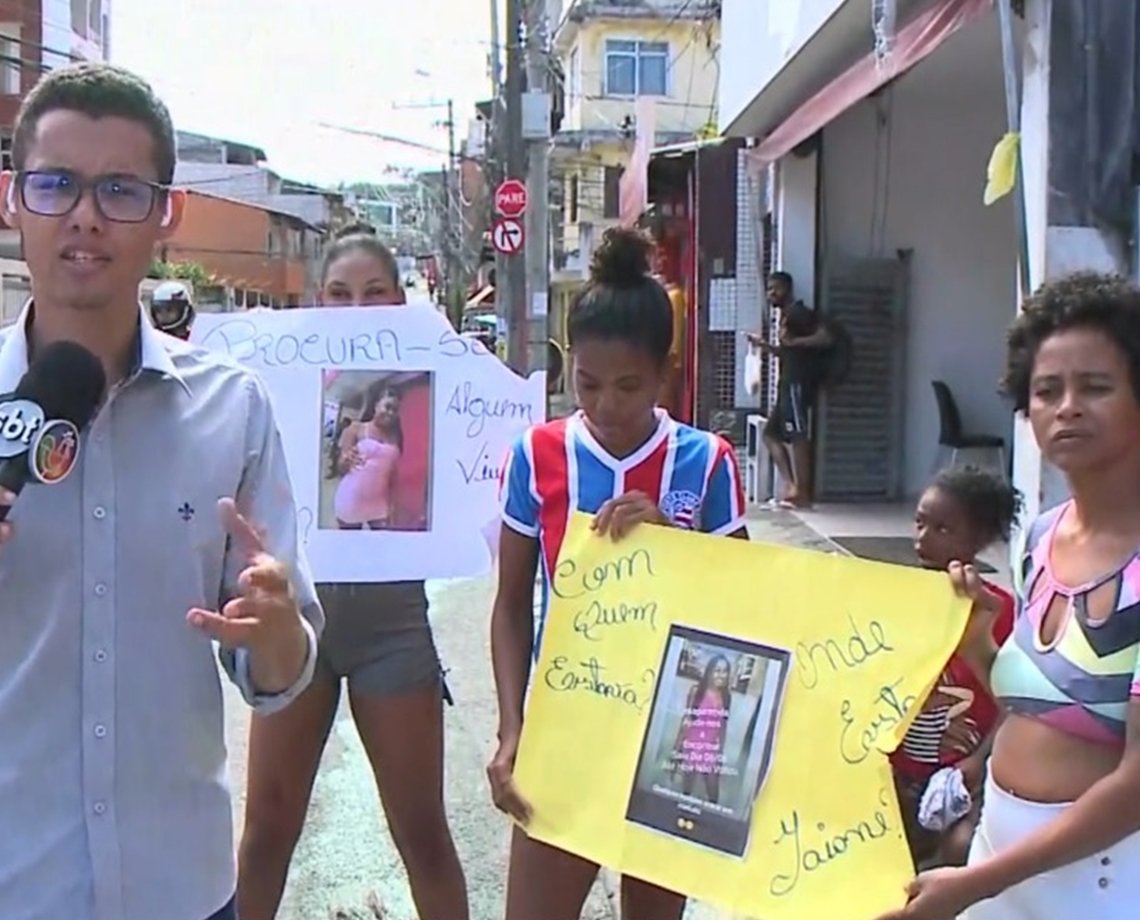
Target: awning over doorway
[{"x": 913, "y": 43}]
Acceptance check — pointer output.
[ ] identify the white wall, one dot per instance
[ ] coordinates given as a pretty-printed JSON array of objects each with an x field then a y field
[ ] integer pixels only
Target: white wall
[
  {"x": 758, "y": 39},
  {"x": 796, "y": 211},
  {"x": 963, "y": 273}
]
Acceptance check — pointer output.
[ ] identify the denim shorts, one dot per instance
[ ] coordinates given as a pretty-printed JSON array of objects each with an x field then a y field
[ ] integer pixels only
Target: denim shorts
[{"x": 378, "y": 638}]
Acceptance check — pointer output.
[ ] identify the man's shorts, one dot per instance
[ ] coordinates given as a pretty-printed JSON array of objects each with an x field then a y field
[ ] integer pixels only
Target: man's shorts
[{"x": 791, "y": 417}]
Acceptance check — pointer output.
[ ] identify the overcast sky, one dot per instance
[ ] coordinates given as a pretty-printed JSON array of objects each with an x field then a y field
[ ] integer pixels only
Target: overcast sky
[{"x": 269, "y": 72}]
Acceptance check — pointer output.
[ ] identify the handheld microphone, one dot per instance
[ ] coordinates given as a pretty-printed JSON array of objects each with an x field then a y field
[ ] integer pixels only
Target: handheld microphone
[{"x": 40, "y": 422}]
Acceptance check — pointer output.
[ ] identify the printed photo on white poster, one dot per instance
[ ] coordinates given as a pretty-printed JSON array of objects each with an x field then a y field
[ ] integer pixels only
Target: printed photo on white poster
[
  {"x": 376, "y": 450},
  {"x": 395, "y": 428}
]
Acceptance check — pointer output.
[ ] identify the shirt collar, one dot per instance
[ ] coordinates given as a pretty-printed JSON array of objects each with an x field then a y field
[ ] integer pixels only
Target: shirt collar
[{"x": 150, "y": 356}]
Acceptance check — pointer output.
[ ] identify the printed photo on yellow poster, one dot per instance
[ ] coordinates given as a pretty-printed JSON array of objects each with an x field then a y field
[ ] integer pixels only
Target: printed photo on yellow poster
[{"x": 714, "y": 716}]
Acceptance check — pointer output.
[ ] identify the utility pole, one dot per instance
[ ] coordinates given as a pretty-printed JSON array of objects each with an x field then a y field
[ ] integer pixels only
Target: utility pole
[
  {"x": 538, "y": 186},
  {"x": 496, "y": 156},
  {"x": 451, "y": 244},
  {"x": 510, "y": 293},
  {"x": 445, "y": 239},
  {"x": 496, "y": 60},
  {"x": 454, "y": 308}
]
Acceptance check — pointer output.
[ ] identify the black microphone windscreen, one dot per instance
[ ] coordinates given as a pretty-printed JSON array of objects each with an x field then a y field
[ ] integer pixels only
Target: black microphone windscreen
[{"x": 66, "y": 381}]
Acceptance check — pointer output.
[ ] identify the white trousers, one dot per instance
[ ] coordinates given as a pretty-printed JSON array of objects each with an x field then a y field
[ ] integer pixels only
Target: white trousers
[{"x": 1101, "y": 887}]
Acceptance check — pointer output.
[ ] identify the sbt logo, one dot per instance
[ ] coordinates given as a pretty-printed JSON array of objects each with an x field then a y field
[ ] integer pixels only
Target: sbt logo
[{"x": 20, "y": 419}]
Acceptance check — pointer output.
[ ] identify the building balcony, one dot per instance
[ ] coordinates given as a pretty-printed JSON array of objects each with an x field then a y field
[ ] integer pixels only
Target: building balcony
[{"x": 572, "y": 258}]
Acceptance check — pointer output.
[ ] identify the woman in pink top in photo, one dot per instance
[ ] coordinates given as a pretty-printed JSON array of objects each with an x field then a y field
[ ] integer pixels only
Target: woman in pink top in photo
[
  {"x": 699, "y": 750},
  {"x": 368, "y": 460},
  {"x": 378, "y": 641},
  {"x": 1059, "y": 833}
]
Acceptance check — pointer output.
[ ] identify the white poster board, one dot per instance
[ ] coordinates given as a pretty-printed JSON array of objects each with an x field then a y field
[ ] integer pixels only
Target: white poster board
[{"x": 395, "y": 430}]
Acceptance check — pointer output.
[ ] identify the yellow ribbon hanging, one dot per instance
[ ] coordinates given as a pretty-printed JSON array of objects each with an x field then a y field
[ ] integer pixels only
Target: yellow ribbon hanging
[{"x": 1001, "y": 173}]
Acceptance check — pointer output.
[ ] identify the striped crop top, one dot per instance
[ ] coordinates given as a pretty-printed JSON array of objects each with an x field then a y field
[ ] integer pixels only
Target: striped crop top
[{"x": 1082, "y": 681}]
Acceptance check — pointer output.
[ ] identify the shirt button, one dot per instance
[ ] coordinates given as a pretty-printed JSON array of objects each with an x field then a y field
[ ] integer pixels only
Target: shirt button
[
  {"x": 100, "y": 512},
  {"x": 1105, "y": 861},
  {"x": 1103, "y": 883},
  {"x": 100, "y": 655},
  {"x": 99, "y": 808},
  {"x": 100, "y": 731},
  {"x": 100, "y": 589}
]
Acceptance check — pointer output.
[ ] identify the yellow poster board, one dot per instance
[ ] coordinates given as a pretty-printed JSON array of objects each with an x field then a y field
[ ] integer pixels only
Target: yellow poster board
[{"x": 713, "y": 716}]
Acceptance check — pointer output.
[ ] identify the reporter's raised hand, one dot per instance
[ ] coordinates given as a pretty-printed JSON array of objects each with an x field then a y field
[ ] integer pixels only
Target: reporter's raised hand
[{"x": 264, "y": 618}]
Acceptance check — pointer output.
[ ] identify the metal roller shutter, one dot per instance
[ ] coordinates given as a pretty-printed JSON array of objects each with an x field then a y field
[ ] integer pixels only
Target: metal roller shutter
[{"x": 859, "y": 435}]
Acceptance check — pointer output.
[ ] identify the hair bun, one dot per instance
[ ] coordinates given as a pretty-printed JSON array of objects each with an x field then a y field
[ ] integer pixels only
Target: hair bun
[
  {"x": 622, "y": 258},
  {"x": 357, "y": 228}
]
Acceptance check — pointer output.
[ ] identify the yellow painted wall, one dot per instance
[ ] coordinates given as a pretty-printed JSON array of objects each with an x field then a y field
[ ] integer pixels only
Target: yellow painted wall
[
  {"x": 691, "y": 81},
  {"x": 688, "y": 106}
]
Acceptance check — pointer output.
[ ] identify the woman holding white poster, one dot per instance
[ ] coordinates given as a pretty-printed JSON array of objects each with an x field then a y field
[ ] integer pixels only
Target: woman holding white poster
[
  {"x": 377, "y": 638},
  {"x": 624, "y": 460}
]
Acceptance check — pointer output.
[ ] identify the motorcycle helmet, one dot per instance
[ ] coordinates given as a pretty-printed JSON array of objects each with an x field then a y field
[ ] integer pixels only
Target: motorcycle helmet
[{"x": 172, "y": 309}]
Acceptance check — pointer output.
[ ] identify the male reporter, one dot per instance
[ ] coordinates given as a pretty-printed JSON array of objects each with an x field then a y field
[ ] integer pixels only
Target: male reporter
[{"x": 176, "y": 527}]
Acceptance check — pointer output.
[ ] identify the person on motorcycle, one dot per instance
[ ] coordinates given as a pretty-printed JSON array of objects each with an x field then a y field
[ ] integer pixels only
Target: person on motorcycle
[{"x": 172, "y": 309}]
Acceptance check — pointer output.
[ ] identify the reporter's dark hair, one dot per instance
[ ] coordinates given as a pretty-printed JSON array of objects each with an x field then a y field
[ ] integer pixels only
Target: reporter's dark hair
[
  {"x": 991, "y": 503},
  {"x": 359, "y": 237},
  {"x": 1084, "y": 300},
  {"x": 97, "y": 90},
  {"x": 622, "y": 300}
]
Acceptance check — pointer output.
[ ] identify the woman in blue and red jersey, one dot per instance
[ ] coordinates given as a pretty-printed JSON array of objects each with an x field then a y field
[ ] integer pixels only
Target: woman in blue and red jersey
[{"x": 626, "y": 461}]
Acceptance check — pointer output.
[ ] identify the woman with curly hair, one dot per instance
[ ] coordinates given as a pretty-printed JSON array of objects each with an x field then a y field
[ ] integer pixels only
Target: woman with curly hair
[{"x": 1059, "y": 834}]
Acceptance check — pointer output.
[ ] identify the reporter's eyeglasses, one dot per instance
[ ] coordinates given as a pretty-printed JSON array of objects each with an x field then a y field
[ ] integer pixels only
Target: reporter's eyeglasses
[{"x": 118, "y": 198}]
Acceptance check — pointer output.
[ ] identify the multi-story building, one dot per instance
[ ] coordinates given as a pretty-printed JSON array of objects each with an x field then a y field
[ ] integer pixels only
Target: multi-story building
[
  {"x": 40, "y": 35},
  {"x": 236, "y": 170},
  {"x": 254, "y": 254},
  {"x": 611, "y": 55},
  {"x": 37, "y": 36}
]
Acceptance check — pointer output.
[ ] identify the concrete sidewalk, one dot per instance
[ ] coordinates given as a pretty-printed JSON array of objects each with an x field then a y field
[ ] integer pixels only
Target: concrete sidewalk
[{"x": 346, "y": 860}]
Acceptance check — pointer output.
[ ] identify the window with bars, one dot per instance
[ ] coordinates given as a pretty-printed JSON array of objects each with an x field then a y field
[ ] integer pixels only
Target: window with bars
[
  {"x": 723, "y": 346},
  {"x": 636, "y": 68}
]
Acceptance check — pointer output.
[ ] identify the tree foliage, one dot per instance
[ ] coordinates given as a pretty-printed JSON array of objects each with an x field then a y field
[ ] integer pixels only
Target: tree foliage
[{"x": 193, "y": 272}]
